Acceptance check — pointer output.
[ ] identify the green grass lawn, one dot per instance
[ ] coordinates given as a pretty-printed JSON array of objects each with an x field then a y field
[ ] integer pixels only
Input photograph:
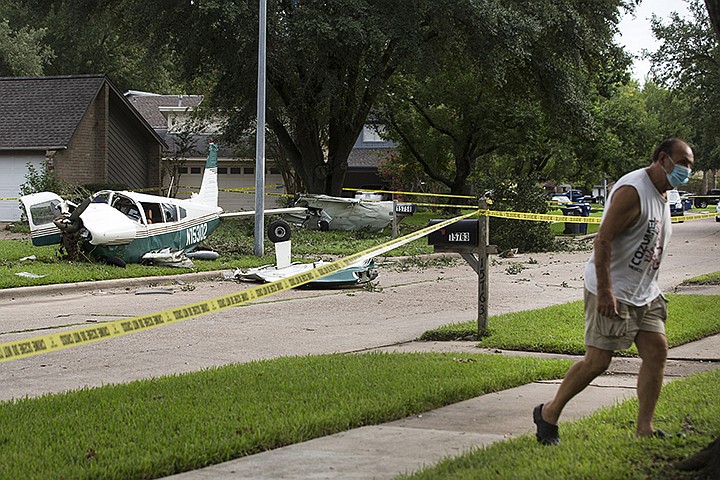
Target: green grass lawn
[
  {"x": 603, "y": 446},
  {"x": 560, "y": 328},
  {"x": 233, "y": 240},
  {"x": 154, "y": 428},
  {"x": 157, "y": 427}
]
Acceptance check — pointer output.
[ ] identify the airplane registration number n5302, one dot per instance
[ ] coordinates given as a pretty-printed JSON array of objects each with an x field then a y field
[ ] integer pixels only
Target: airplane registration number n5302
[{"x": 196, "y": 234}]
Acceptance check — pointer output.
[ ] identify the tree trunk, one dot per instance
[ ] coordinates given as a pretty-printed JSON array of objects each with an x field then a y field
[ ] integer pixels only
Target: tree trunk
[
  {"x": 713, "y": 8},
  {"x": 706, "y": 462}
]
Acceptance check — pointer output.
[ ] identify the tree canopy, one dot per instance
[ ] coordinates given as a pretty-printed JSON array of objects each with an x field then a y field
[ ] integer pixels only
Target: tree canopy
[
  {"x": 22, "y": 51},
  {"x": 688, "y": 64},
  {"x": 92, "y": 36},
  {"x": 524, "y": 89}
]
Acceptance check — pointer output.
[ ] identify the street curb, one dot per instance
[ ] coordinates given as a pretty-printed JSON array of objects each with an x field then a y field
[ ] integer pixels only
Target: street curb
[{"x": 59, "y": 288}]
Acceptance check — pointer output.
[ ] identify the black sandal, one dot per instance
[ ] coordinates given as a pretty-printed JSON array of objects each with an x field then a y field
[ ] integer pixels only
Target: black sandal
[{"x": 547, "y": 433}]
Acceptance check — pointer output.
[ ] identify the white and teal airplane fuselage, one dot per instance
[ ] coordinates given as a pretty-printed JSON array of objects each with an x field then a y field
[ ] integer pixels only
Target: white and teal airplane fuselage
[{"x": 128, "y": 225}]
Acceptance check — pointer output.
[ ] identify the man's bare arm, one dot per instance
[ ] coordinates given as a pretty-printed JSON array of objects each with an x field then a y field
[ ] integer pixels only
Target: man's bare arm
[{"x": 623, "y": 212}]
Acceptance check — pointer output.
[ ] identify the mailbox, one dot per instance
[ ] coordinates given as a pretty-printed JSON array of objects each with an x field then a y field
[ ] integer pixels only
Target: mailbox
[{"x": 463, "y": 233}]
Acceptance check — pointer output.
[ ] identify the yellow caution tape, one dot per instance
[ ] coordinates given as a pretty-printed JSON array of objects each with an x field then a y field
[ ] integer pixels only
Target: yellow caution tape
[
  {"x": 444, "y": 205},
  {"x": 9, "y": 198},
  {"x": 541, "y": 217},
  {"x": 83, "y": 336},
  {"x": 698, "y": 216},
  {"x": 419, "y": 194}
]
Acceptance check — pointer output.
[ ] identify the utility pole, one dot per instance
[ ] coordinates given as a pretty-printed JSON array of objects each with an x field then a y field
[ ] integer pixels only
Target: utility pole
[{"x": 259, "y": 242}]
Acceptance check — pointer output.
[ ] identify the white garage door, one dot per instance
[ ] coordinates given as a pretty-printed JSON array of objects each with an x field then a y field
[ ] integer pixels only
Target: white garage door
[{"x": 13, "y": 169}]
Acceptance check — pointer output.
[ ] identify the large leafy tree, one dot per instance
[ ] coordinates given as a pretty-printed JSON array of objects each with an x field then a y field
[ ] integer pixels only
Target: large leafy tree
[
  {"x": 329, "y": 61},
  {"x": 688, "y": 64},
  {"x": 94, "y": 36},
  {"x": 22, "y": 52},
  {"x": 521, "y": 88},
  {"x": 624, "y": 136}
]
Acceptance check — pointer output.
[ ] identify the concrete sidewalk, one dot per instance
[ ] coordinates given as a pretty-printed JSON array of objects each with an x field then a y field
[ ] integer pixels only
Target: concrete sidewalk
[{"x": 407, "y": 445}]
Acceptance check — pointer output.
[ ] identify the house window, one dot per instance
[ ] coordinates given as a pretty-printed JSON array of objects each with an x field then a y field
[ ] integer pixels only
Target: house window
[
  {"x": 274, "y": 171},
  {"x": 183, "y": 170},
  {"x": 222, "y": 170},
  {"x": 235, "y": 170},
  {"x": 249, "y": 170},
  {"x": 196, "y": 170}
]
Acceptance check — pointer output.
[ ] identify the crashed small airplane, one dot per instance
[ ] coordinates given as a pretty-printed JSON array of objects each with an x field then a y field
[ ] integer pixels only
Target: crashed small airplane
[
  {"x": 324, "y": 212},
  {"x": 122, "y": 227}
]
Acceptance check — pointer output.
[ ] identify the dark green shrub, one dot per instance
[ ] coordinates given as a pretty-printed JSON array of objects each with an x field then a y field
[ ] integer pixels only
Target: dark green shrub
[{"x": 526, "y": 236}]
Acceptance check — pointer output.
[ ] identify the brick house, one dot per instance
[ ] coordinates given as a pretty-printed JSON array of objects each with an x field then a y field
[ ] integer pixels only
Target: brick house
[
  {"x": 168, "y": 114},
  {"x": 81, "y": 126},
  {"x": 369, "y": 149}
]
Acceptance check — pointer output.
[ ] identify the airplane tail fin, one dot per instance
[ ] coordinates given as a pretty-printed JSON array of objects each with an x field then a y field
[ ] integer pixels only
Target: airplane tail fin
[{"x": 209, "y": 188}]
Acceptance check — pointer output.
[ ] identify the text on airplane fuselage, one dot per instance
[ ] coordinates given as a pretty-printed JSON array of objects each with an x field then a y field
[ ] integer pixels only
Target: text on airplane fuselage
[{"x": 196, "y": 234}]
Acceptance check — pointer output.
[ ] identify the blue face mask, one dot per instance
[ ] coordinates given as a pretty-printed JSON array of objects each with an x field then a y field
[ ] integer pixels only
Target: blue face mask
[{"x": 679, "y": 175}]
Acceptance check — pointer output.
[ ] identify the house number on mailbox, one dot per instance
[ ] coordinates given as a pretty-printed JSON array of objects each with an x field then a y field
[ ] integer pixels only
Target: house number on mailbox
[{"x": 459, "y": 237}]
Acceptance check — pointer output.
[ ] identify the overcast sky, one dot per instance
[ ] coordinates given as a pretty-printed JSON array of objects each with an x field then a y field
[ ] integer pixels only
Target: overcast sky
[{"x": 635, "y": 31}]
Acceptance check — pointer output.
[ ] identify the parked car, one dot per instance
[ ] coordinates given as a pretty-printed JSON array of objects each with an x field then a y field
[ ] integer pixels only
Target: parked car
[
  {"x": 590, "y": 199},
  {"x": 677, "y": 208},
  {"x": 717, "y": 213},
  {"x": 687, "y": 199},
  {"x": 711, "y": 197},
  {"x": 572, "y": 195}
]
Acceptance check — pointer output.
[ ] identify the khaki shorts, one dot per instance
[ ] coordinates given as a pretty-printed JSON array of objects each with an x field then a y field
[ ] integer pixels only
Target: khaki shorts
[{"x": 619, "y": 333}]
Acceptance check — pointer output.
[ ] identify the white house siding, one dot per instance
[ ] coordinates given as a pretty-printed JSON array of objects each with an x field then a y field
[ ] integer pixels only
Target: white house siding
[{"x": 13, "y": 168}]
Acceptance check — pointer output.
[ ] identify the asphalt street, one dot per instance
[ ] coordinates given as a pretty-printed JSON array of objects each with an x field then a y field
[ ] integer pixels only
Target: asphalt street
[{"x": 406, "y": 300}]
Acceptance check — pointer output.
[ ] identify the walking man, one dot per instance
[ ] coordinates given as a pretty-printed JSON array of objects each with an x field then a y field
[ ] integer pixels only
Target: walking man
[{"x": 623, "y": 303}]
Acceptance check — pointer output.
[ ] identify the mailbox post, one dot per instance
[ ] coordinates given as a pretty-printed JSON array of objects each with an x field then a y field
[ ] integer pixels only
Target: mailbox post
[
  {"x": 470, "y": 239},
  {"x": 401, "y": 210}
]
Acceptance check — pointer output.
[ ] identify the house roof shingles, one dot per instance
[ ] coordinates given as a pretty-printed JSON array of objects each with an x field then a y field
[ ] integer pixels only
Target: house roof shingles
[
  {"x": 367, "y": 158},
  {"x": 42, "y": 113},
  {"x": 149, "y": 106}
]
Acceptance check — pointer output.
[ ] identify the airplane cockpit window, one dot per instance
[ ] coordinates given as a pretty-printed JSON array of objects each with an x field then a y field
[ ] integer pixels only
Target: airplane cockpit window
[
  {"x": 127, "y": 207},
  {"x": 170, "y": 212},
  {"x": 183, "y": 212},
  {"x": 46, "y": 212},
  {"x": 102, "y": 197},
  {"x": 152, "y": 212}
]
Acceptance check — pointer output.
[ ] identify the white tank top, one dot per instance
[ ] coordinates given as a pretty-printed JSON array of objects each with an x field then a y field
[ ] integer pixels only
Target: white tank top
[{"x": 637, "y": 252}]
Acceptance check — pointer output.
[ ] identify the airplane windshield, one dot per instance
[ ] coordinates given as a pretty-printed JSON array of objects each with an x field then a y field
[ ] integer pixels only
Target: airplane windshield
[
  {"x": 102, "y": 197},
  {"x": 126, "y": 206},
  {"x": 44, "y": 213}
]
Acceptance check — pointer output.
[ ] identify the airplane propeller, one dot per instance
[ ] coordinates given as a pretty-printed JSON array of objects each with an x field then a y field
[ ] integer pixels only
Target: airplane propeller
[{"x": 71, "y": 223}]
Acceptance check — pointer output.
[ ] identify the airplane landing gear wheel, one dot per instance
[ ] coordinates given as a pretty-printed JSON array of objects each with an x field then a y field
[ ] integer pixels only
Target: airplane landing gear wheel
[
  {"x": 118, "y": 262},
  {"x": 279, "y": 231}
]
